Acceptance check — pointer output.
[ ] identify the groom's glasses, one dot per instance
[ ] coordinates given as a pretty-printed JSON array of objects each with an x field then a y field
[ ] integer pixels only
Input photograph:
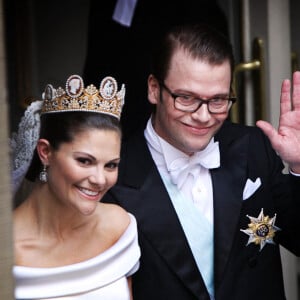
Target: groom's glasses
[{"x": 189, "y": 103}]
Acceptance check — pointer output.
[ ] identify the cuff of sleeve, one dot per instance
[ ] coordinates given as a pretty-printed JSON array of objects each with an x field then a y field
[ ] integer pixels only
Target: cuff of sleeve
[{"x": 295, "y": 174}]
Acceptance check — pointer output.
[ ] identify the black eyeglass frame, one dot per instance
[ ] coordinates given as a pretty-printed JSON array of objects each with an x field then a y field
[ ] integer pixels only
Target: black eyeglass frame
[{"x": 230, "y": 100}]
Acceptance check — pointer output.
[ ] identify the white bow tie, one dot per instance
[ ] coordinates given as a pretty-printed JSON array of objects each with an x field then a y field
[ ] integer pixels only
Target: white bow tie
[{"x": 180, "y": 168}]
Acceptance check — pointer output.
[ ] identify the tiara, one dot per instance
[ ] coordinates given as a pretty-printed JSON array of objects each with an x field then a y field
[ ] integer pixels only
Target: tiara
[{"x": 75, "y": 97}]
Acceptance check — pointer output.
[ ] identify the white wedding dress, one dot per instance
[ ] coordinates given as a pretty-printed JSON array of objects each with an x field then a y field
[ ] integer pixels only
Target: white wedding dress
[{"x": 101, "y": 277}]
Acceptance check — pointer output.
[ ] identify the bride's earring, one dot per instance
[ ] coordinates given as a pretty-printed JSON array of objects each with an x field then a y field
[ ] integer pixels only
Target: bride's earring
[{"x": 44, "y": 175}]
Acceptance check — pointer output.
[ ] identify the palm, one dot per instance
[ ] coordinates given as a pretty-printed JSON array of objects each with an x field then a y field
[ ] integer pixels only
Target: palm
[{"x": 286, "y": 140}]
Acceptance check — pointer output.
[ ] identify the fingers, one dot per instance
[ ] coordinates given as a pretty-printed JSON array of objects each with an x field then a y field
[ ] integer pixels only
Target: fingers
[
  {"x": 288, "y": 103},
  {"x": 296, "y": 91},
  {"x": 268, "y": 130},
  {"x": 285, "y": 98}
]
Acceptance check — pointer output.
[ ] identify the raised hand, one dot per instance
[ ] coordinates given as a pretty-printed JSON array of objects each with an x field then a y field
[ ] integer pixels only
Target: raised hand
[{"x": 286, "y": 140}]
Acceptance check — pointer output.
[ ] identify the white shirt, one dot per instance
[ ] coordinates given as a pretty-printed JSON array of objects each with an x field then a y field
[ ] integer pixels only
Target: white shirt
[{"x": 197, "y": 188}]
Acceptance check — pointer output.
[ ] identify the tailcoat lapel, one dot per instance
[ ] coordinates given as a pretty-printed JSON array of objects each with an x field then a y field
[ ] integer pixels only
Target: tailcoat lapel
[
  {"x": 228, "y": 183},
  {"x": 156, "y": 216}
]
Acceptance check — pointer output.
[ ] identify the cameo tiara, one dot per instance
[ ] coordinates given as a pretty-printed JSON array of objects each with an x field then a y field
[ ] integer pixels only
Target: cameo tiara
[{"x": 107, "y": 99}]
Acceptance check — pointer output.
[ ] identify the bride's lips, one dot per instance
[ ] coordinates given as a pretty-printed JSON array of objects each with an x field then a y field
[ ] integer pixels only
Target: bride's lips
[{"x": 88, "y": 193}]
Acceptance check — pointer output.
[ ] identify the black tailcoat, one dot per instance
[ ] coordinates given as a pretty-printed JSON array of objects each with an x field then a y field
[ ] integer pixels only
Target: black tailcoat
[{"x": 168, "y": 269}]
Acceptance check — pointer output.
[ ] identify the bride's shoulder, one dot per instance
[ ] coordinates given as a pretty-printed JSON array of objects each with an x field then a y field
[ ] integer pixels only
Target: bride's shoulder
[{"x": 114, "y": 217}]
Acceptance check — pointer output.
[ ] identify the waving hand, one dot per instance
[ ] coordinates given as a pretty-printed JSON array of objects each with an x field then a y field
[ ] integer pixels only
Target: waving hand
[{"x": 286, "y": 140}]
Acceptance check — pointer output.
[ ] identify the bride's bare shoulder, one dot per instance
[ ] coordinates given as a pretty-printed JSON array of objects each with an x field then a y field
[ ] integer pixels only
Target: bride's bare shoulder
[{"x": 114, "y": 217}]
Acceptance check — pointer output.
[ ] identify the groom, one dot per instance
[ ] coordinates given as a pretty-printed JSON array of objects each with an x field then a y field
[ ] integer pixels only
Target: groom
[{"x": 210, "y": 198}]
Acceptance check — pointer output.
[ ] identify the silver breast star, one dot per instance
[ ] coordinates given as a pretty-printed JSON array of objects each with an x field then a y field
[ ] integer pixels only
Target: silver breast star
[{"x": 261, "y": 230}]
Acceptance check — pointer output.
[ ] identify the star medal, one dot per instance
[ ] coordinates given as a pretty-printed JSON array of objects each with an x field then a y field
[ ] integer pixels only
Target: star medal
[{"x": 261, "y": 230}]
